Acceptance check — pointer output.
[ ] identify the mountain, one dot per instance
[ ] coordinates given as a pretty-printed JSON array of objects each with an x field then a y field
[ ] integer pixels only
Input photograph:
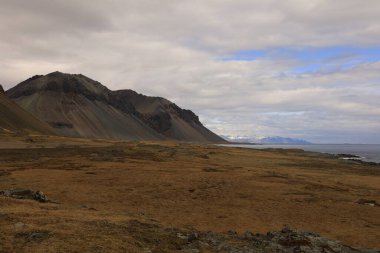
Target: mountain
[
  {"x": 266, "y": 140},
  {"x": 15, "y": 119},
  {"x": 77, "y": 106},
  {"x": 282, "y": 140}
]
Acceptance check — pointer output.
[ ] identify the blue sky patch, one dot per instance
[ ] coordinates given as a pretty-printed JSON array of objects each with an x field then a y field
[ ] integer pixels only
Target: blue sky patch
[
  {"x": 313, "y": 60},
  {"x": 249, "y": 55}
]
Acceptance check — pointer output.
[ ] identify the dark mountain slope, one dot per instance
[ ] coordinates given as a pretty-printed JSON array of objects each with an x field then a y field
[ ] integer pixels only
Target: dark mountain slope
[
  {"x": 17, "y": 120},
  {"x": 167, "y": 118},
  {"x": 78, "y": 106}
]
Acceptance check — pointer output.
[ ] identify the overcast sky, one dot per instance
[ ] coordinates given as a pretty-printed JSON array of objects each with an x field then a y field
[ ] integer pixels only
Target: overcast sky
[{"x": 297, "y": 68}]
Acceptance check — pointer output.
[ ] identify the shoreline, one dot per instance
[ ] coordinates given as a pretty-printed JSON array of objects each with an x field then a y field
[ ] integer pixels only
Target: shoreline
[{"x": 344, "y": 156}]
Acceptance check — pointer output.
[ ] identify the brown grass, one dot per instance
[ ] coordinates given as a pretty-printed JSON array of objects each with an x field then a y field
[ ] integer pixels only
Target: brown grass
[{"x": 102, "y": 186}]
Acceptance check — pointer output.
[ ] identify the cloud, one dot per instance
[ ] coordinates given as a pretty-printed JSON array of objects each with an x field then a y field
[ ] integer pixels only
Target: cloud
[{"x": 246, "y": 67}]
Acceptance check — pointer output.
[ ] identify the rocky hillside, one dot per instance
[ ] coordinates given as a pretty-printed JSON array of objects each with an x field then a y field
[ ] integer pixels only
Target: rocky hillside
[
  {"x": 14, "y": 119},
  {"x": 77, "y": 106},
  {"x": 166, "y": 117}
]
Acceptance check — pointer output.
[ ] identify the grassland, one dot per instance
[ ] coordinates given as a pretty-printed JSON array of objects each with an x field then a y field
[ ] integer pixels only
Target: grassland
[{"x": 104, "y": 193}]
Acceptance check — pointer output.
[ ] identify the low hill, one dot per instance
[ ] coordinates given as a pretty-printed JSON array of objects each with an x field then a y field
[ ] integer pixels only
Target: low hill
[{"x": 77, "y": 106}]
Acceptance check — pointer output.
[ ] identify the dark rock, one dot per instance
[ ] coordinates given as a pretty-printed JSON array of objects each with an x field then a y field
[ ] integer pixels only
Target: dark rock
[
  {"x": 368, "y": 202},
  {"x": 248, "y": 236},
  {"x": 40, "y": 196},
  {"x": 161, "y": 121},
  {"x": 38, "y": 235},
  {"x": 348, "y": 156},
  {"x": 25, "y": 194},
  {"x": 232, "y": 233},
  {"x": 1, "y": 89},
  {"x": 33, "y": 235},
  {"x": 192, "y": 237},
  {"x": 187, "y": 115}
]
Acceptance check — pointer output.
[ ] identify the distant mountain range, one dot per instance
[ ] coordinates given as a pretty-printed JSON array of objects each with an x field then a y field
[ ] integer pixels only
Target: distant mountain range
[
  {"x": 76, "y": 106},
  {"x": 266, "y": 140}
]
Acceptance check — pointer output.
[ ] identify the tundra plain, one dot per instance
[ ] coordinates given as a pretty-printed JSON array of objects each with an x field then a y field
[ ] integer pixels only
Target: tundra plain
[{"x": 106, "y": 196}]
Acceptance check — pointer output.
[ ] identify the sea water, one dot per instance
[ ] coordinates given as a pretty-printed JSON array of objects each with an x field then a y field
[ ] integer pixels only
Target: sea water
[{"x": 366, "y": 152}]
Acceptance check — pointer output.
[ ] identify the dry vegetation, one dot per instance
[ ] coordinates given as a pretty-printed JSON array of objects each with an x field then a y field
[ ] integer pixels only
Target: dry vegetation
[{"x": 108, "y": 192}]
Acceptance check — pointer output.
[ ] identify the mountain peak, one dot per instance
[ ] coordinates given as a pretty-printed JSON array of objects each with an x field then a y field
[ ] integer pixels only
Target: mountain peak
[
  {"x": 1, "y": 89},
  {"x": 62, "y": 83},
  {"x": 57, "y": 73}
]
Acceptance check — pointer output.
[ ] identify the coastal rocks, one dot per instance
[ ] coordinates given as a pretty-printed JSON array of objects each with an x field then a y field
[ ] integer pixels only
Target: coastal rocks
[
  {"x": 25, "y": 194},
  {"x": 355, "y": 158},
  {"x": 348, "y": 156}
]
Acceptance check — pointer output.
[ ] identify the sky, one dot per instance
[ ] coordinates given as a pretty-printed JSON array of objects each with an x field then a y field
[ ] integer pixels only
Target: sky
[{"x": 293, "y": 68}]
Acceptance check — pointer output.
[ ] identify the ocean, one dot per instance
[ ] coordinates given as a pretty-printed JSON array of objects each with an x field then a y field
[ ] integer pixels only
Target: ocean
[{"x": 367, "y": 152}]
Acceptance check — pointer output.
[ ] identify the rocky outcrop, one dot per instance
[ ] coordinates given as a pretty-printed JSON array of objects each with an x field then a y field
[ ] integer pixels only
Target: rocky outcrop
[
  {"x": 1, "y": 89},
  {"x": 167, "y": 118},
  {"x": 161, "y": 121},
  {"x": 25, "y": 194},
  {"x": 285, "y": 241}
]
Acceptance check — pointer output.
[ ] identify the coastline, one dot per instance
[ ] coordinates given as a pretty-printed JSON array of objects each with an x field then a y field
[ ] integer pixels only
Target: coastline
[{"x": 338, "y": 152}]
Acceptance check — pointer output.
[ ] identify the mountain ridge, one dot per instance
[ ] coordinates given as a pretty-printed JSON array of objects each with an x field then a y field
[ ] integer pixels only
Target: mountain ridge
[{"x": 267, "y": 140}]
